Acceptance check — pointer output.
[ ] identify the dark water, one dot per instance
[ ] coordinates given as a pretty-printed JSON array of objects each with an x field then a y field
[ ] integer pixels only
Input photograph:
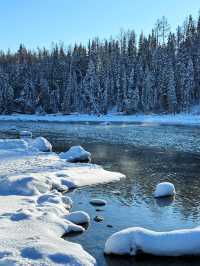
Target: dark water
[{"x": 130, "y": 201}]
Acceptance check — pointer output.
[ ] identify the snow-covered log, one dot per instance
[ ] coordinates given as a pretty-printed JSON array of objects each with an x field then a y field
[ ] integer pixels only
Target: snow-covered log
[{"x": 132, "y": 241}]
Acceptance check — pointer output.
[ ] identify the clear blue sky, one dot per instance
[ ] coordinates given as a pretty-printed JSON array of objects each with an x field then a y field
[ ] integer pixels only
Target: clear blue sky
[{"x": 41, "y": 22}]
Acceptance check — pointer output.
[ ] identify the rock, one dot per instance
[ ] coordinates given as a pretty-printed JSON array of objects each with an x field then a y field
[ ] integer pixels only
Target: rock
[
  {"x": 98, "y": 202},
  {"x": 99, "y": 210},
  {"x": 98, "y": 219},
  {"x": 164, "y": 189},
  {"x": 42, "y": 144},
  {"x": 109, "y": 225},
  {"x": 78, "y": 217},
  {"x": 76, "y": 154}
]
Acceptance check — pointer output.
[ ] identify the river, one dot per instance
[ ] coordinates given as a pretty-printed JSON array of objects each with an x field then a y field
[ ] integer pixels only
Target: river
[{"x": 147, "y": 154}]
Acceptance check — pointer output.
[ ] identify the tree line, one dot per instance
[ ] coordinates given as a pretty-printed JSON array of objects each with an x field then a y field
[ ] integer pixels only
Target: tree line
[{"x": 158, "y": 73}]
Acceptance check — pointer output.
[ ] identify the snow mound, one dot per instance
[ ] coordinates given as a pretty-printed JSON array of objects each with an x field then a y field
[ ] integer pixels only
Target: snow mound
[
  {"x": 174, "y": 243},
  {"x": 164, "y": 189},
  {"x": 78, "y": 217},
  {"x": 98, "y": 202},
  {"x": 76, "y": 154},
  {"x": 42, "y": 144}
]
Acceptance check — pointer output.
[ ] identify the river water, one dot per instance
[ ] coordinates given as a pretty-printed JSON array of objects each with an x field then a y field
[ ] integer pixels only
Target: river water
[{"x": 147, "y": 155}]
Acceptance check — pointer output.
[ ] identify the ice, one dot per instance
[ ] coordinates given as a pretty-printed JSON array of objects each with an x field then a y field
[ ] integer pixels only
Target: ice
[
  {"x": 164, "y": 189},
  {"x": 174, "y": 243},
  {"x": 76, "y": 154},
  {"x": 42, "y": 144}
]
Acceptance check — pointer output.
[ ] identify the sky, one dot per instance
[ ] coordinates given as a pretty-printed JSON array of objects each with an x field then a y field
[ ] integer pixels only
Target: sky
[{"x": 38, "y": 23}]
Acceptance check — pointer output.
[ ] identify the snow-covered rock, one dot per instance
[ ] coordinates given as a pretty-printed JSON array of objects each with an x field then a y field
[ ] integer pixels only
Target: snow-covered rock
[
  {"x": 136, "y": 239},
  {"x": 25, "y": 134},
  {"x": 42, "y": 144},
  {"x": 98, "y": 202},
  {"x": 164, "y": 189},
  {"x": 76, "y": 154},
  {"x": 78, "y": 217}
]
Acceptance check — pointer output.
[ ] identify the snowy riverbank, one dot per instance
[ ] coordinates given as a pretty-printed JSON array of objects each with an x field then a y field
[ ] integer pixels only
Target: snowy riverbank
[
  {"x": 34, "y": 214},
  {"x": 178, "y": 119}
]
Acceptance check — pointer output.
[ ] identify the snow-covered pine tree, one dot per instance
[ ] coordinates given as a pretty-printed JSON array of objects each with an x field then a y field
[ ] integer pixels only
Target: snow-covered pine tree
[
  {"x": 188, "y": 85},
  {"x": 132, "y": 99},
  {"x": 171, "y": 90},
  {"x": 90, "y": 84},
  {"x": 6, "y": 95}
]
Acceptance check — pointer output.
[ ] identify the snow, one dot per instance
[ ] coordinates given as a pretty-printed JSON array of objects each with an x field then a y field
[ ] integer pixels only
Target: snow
[
  {"x": 98, "y": 202},
  {"x": 169, "y": 119},
  {"x": 42, "y": 144},
  {"x": 164, "y": 189},
  {"x": 13, "y": 144},
  {"x": 174, "y": 243},
  {"x": 76, "y": 154},
  {"x": 34, "y": 214}
]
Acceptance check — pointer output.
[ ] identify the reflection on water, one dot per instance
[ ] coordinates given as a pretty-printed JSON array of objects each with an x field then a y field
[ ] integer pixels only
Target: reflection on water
[{"x": 130, "y": 201}]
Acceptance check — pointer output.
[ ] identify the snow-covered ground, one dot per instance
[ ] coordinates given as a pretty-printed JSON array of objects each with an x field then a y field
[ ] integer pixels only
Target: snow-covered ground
[
  {"x": 178, "y": 119},
  {"x": 34, "y": 214}
]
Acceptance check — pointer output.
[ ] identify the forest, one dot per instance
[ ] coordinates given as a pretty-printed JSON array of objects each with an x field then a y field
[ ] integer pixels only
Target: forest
[{"x": 158, "y": 73}]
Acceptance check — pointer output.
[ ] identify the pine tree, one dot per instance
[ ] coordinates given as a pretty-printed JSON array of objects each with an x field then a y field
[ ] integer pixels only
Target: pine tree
[
  {"x": 6, "y": 95},
  {"x": 90, "y": 84},
  {"x": 132, "y": 100},
  {"x": 188, "y": 86},
  {"x": 171, "y": 90}
]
